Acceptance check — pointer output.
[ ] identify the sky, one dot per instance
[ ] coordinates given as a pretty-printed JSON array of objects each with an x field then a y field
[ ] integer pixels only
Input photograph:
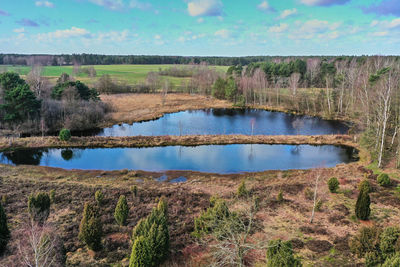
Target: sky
[{"x": 201, "y": 27}]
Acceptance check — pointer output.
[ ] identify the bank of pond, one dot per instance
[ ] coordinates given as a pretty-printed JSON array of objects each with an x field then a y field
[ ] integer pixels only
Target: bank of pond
[{"x": 224, "y": 159}]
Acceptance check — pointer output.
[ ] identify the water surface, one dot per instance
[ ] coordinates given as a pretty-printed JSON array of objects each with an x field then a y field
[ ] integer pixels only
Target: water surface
[
  {"x": 228, "y": 121},
  {"x": 234, "y": 158}
]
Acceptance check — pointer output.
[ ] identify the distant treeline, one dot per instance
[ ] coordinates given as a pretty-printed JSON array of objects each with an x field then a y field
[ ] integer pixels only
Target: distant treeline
[{"x": 93, "y": 59}]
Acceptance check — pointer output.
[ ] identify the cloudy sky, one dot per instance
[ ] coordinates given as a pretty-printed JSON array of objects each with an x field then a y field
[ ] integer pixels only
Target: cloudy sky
[{"x": 201, "y": 27}]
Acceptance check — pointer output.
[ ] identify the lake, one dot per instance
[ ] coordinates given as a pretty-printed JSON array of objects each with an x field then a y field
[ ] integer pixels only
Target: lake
[
  {"x": 223, "y": 159},
  {"x": 227, "y": 121}
]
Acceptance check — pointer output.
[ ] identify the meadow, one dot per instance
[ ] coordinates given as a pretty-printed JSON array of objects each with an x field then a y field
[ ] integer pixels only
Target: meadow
[{"x": 129, "y": 74}]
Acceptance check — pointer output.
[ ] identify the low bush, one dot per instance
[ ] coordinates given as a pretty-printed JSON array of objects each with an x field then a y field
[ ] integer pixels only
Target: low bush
[
  {"x": 242, "y": 190},
  {"x": 383, "y": 179},
  {"x": 280, "y": 254},
  {"x": 39, "y": 206},
  {"x": 366, "y": 240},
  {"x": 99, "y": 197},
  {"x": 279, "y": 197},
  {"x": 333, "y": 184},
  {"x": 65, "y": 135}
]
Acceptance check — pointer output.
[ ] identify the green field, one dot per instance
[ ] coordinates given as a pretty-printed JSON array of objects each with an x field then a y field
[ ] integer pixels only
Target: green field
[{"x": 130, "y": 74}]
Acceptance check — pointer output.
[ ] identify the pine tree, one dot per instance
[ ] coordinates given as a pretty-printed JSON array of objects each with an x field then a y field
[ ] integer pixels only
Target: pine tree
[
  {"x": 280, "y": 254},
  {"x": 363, "y": 209},
  {"x": 90, "y": 229},
  {"x": 4, "y": 232},
  {"x": 121, "y": 211}
]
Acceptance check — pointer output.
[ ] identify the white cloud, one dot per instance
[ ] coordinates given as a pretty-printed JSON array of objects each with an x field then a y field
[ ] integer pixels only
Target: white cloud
[
  {"x": 140, "y": 5},
  {"x": 114, "y": 36},
  {"x": 315, "y": 28},
  {"x": 392, "y": 24},
  {"x": 68, "y": 33},
  {"x": 379, "y": 34},
  {"x": 200, "y": 20},
  {"x": 223, "y": 33},
  {"x": 110, "y": 4},
  {"x": 287, "y": 13},
  {"x": 19, "y": 30},
  {"x": 205, "y": 8},
  {"x": 44, "y": 3},
  {"x": 157, "y": 37},
  {"x": 279, "y": 28},
  {"x": 264, "y": 6},
  {"x": 324, "y": 2}
]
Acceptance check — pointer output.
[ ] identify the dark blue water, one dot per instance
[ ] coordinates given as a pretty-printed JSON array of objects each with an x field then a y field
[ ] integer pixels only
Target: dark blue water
[
  {"x": 228, "y": 121},
  {"x": 208, "y": 158}
]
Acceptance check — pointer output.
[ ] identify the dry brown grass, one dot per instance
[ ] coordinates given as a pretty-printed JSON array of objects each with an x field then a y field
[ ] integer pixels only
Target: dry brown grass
[{"x": 129, "y": 108}]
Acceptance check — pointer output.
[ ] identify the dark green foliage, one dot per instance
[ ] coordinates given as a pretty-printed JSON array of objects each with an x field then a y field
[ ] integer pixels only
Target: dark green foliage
[
  {"x": 39, "y": 206},
  {"x": 10, "y": 80},
  {"x": 20, "y": 104},
  {"x": 4, "y": 232},
  {"x": 218, "y": 89},
  {"x": 366, "y": 240},
  {"x": 242, "y": 190},
  {"x": 152, "y": 238},
  {"x": 82, "y": 89},
  {"x": 52, "y": 196},
  {"x": 134, "y": 190},
  {"x": 363, "y": 209},
  {"x": 393, "y": 261},
  {"x": 333, "y": 184},
  {"x": 121, "y": 211},
  {"x": 365, "y": 186},
  {"x": 212, "y": 219},
  {"x": 231, "y": 89},
  {"x": 65, "y": 135},
  {"x": 99, "y": 197},
  {"x": 91, "y": 229},
  {"x": 372, "y": 258},
  {"x": 280, "y": 254},
  {"x": 279, "y": 197},
  {"x": 383, "y": 179},
  {"x": 389, "y": 241}
]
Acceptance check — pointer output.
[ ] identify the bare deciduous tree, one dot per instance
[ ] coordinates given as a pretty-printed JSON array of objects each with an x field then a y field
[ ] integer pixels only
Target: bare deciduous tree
[{"x": 38, "y": 245}]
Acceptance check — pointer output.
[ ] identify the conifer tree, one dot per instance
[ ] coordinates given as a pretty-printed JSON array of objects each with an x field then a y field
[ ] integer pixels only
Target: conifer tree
[
  {"x": 363, "y": 209},
  {"x": 121, "y": 211},
  {"x": 4, "y": 232},
  {"x": 140, "y": 253},
  {"x": 39, "y": 206},
  {"x": 90, "y": 229}
]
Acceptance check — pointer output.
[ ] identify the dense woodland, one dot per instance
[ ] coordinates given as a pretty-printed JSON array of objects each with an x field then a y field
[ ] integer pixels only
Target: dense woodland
[{"x": 95, "y": 59}]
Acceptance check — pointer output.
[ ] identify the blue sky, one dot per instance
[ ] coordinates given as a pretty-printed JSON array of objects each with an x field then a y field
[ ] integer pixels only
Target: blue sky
[{"x": 201, "y": 27}]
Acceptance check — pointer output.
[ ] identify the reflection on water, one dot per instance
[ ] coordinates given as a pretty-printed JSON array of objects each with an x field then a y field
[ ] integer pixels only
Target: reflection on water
[
  {"x": 207, "y": 158},
  {"x": 228, "y": 121}
]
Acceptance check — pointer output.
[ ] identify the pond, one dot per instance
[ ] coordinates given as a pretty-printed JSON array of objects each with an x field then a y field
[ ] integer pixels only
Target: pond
[
  {"x": 227, "y": 121},
  {"x": 223, "y": 159}
]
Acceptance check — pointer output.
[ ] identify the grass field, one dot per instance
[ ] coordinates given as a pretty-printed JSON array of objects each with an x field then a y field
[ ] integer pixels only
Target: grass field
[{"x": 131, "y": 74}]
